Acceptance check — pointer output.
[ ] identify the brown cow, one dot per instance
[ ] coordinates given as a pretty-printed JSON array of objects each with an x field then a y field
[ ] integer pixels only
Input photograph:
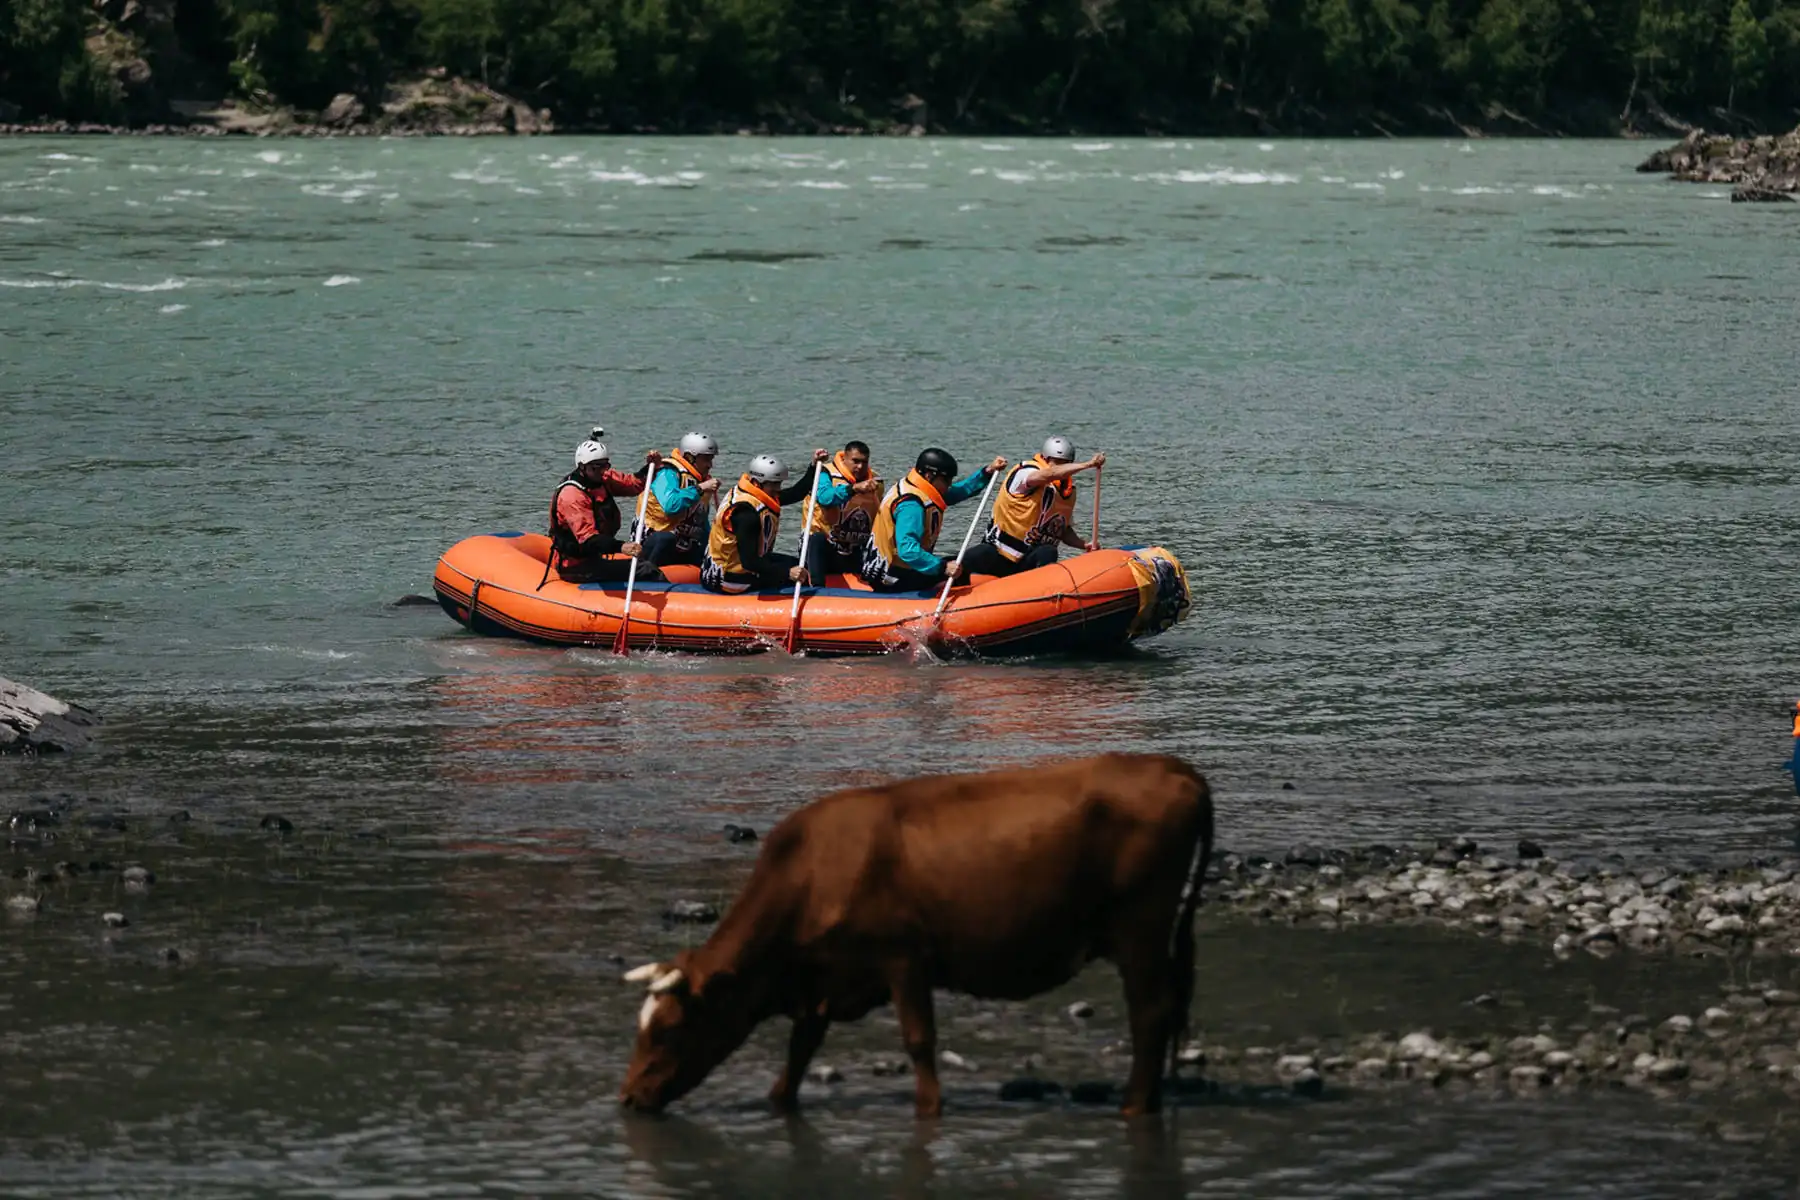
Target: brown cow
[{"x": 1000, "y": 885}]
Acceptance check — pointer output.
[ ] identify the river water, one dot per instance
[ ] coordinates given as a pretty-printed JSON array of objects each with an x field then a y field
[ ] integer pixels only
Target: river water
[{"x": 1479, "y": 455}]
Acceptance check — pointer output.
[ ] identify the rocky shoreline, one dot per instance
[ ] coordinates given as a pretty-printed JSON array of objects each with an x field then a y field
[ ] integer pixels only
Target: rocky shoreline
[
  {"x": 1764, "y": 169},
  {"x": 437, "y": 105},
  {"x": 1324, "y": 973}
]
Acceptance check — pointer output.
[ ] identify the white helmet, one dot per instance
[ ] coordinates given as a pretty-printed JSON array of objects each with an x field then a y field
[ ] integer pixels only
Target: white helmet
[
  {"x": 591, "y": 451},
  {"x": 1059, "y": 447},
  {"x": 699, "y": 443},
  {"x": 766, "y": 468}
]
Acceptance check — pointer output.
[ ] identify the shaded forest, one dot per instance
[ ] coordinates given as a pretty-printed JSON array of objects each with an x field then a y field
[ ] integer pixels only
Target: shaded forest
[{"x": 1126, "y": 66}]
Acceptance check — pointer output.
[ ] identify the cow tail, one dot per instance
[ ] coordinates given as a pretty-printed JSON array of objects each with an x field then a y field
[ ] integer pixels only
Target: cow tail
[{"x": 1181, "y": 937}]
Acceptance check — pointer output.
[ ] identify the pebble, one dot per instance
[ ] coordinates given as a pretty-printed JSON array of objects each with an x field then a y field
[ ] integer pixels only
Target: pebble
[
  {"x": 951, "y": 1058},
  {"x": 117, "y": 920},
  {"x": 1373, "y": 1068},
  {"x": 1081, "y": 1010},
  {"x": 1529, "y": 1075},
  {"x": 1191, "y": 1055},
  {"x": 137, "y": 879},
  {"x": 692, "y": 911},
  {"x": 888, "y": 1066},
  {"x": 825, "y": 1073},
  {"x": 1485, "y": 1000},
  {"x": 1679, "y": 1024},
  {"x": 1418, "y": 1045},
  {"x": 1293, "y": 1064},
  {"x": 1667, "y": 1070},
  {"x": 1481, "y": 1060},
  {"x": 1715, "y": 1016},
  {"x": 1779, "y": 997},
  {"x": 1559, "y": 1060}
]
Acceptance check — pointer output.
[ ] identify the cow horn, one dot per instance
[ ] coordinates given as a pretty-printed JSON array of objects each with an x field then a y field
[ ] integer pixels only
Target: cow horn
[
  {"x": 666, "y": 983},
  {"x": 646, "y": 972}
]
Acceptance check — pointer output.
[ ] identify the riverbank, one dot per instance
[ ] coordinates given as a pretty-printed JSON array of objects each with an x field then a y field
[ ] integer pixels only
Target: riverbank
[
  {"x": 441, "y": 105},
  {"x": 1327, "y": 977}
]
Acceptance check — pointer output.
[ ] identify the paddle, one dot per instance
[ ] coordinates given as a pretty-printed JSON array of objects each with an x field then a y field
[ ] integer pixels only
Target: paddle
[
  {"x": 621, "y": 643},
  {"x": 949, "y": 574},
  {"x": 1096, "y": 538},
  {"x": 812, "y": 500}
]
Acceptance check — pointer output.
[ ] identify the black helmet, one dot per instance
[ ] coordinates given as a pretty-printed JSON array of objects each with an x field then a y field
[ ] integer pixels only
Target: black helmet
[{"x": 937, "y": 460}]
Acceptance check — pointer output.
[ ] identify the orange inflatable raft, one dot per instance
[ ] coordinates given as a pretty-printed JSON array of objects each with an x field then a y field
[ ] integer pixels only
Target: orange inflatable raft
[{"x": 1085, "y": 603}]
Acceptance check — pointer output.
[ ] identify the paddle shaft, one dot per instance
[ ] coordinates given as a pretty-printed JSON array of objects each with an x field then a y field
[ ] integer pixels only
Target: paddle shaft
[
  {"x": 621, "y": 643},
  {"x": 812, "y": 501},
  {"x": 1096, "y": 538},
  {"x": 949, "y": 575}
]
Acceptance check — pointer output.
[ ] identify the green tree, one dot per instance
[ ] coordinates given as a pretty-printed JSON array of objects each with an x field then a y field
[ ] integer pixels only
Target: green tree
[{"x": 1748, "y": 47}]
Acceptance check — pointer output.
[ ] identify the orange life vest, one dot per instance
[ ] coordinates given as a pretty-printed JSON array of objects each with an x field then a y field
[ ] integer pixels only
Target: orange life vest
[
  {"x": 884, "y": 549},
  {"x": 722, "y": 544},
  {"x": 1040, "y": 515},
  {"x": 685, "y": 525},
  {"x": 846, "y": 525}
]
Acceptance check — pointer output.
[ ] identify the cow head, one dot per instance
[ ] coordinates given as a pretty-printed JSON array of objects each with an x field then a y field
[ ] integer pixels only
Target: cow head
[{"x": 689, "y": 1023}]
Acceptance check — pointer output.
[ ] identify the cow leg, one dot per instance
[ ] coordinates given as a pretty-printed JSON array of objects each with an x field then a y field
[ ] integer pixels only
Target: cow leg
[
  {"x": 1151, "y": 1000},
  {"x": 918, "y": 1026},
  {"x": 803, "y": 1043}
]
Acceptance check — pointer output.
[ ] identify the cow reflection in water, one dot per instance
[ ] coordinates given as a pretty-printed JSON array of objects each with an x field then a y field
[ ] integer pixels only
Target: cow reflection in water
[{"x": 1000, "y": 885}]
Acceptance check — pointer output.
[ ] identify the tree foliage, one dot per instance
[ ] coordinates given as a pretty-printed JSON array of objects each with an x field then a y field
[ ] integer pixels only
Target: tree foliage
[{"x": 969, "y": 64}]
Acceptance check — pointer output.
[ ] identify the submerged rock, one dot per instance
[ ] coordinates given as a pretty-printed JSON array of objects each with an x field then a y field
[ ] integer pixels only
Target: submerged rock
[
  {"x": 693, "y": 911},
  {"x": 277, "y": 823},
  {"x": 1029, "y": 1089}
]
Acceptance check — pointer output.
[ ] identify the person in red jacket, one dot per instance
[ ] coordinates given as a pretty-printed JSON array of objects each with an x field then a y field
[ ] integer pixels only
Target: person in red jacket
[{"x": 585, "y": 519}]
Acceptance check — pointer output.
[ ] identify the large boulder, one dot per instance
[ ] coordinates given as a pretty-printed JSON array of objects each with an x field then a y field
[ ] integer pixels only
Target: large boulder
[
  {"x": 1761, "y": 168},
  {"x": 32, "y": 722}
]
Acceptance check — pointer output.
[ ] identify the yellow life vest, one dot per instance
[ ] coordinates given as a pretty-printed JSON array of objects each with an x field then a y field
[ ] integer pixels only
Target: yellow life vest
[
  {"x": 687, "y": 523},
  {"x": 722, "y": 545},
  {"x": 1039, "y": 516},
  {"x": 884, "y": 537},
  {"x": 847, "y": 525}
]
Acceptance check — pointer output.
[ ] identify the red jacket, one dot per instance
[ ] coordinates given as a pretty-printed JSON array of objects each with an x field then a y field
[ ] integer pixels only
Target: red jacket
[{"x": 581, "y": 512}]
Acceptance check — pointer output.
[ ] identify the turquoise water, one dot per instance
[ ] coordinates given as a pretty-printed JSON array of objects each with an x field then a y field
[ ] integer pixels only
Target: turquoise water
[
  {"x": 1479, "y": 454},
  {"x": 1480, "y": 457}
]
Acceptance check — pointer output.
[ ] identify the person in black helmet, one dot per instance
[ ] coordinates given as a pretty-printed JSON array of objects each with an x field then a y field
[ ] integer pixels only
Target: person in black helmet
[{"x": 899, "y": 557}]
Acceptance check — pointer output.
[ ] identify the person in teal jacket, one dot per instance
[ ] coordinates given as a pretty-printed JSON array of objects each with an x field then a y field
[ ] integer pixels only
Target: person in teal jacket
[{"x": 911, "y": 516}]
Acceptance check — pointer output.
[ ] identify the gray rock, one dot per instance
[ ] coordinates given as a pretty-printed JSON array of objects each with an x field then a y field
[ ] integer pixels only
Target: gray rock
[
  {"x": 1479, "y": 1061},
  {"x": 1667, "y": 1070},
  {"x": 691, "y": 911},
  {"x": 825, "y": 1073},
  {"x": 32, "y": 722},
  {"x": 1530, "y": 849},
  {"x": 137, "y": 878},
  {"x": 1191, "y": 1055},
  {"x": 1780, "y": 997},
  {"x": 888, "y": 1066},
  {"x": 1289, "y": 1065},
  {"x": 1679, "y": 1024},
  {"x": 22, "y": 904},
  {"x": 1485, "y": 1000},
  {"x": 117, "y": 920},
  {"x": 951, "y": 1058},
  {"x": 1559, "y": 1060},
  {"x": 1081, "y": 1010},
  {"x": 1529, "y": 1076},
  {"x": 1418, "y": 1045}
]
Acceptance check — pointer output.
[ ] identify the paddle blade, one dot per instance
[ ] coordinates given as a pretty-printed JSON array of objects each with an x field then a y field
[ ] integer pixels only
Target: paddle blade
[{"x": 620, "y": 644}]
